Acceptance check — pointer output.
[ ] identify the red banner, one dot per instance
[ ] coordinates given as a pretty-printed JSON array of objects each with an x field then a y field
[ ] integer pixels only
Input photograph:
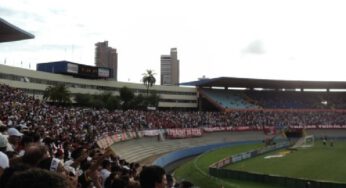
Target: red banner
[{"x": 183, "y": 133}]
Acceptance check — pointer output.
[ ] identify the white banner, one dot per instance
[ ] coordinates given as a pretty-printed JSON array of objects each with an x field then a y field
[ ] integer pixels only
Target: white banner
[
  {"x": 102, "y": 72},
  {"x": 154, "y": 132},
  {"x": 72, "y": 68},
  {"x": 318, "y": 127}
]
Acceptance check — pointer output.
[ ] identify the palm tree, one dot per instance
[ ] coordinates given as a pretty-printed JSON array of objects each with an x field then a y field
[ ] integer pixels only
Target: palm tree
[
  {"x": 148, "y": 79},
  {"x": 58, "y": 93}
]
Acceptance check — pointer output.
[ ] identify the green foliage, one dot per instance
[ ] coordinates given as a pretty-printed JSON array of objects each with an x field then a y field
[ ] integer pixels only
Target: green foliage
[
  {"x": 96, "y": 102},
  {"x": 148, "y": 79},
  {"x": 58, "y": 93},
  {"x": 105, "y": 100},
  {"x": 112, "y": 103},
  {"x": 139, "y": 102},
  {"x": 82, "y": 99},
  {"x": 126, "y": 100},
  {"x": 126, "y": 96},
  {"x": 153, "y": 99}
]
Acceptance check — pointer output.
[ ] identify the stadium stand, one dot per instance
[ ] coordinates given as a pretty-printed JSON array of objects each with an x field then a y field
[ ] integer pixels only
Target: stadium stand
[
  {"x": 70, "y": 133},
  {"x": 247, "y": 99},
  {"x": 65, "y": 140},
  {"x": 230, "y": 99}
]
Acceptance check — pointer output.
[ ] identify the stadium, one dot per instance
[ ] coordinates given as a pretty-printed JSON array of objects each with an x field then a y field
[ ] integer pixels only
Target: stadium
[{"x": 215, "y": 133}]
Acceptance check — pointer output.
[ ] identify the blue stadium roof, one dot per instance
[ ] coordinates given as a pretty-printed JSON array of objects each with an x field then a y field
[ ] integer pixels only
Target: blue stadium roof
[
  {"x": 265, "y": 83},
  {"x": 9, "y": 32}
]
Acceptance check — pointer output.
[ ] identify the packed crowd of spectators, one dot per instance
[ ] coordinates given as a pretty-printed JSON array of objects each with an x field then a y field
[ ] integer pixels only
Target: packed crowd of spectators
[
  {"x": 296, "y": 99},
  {"x": 35, "y": 135},
  {"x": 252, "y": 99},
  {"x": 42, "y": 145}
]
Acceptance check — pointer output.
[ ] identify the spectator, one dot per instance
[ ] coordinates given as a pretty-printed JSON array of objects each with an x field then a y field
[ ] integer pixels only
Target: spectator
[
  {"x": 152, "y": 177},
  {"x": 35, "y": 153},
  {"x": 52, "y": 164},
  {"x": 3, "y": 143},
  {"x": 170, "y": 181},
  {"x": 9, "y": 172},
  {"x": 105, "y": 171},
  {"x": 3, "y": 127},
  {"x": 14, "y": 138},
  {"x": 38, "y": 178},
  {"x": 119, "y": 183},
  {"x": 185, "y": 184},
  {"x": 4, "y": 163},
  {"x": 73, "y": 165}
]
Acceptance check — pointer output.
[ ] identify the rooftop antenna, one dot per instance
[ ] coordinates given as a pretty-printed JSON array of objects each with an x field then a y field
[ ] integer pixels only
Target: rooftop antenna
[
  {"x": 65, "y": 53},
  {"x": 72, "y": 51}
]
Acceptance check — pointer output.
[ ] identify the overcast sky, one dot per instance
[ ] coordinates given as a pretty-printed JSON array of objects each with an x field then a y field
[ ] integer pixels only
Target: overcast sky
[{"x": 296, "y": 40}]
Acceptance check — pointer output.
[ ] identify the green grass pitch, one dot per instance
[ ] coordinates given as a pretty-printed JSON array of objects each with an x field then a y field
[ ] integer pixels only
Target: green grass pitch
[
  {"x": 319, "y": 162},
  {"x": 196, "y": 170}
]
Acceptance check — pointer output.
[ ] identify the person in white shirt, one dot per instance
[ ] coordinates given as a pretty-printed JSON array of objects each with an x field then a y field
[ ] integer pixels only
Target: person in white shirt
[
  {"x": 14, "y": 138},
  {"x": 105, "y": 171},
  {"x": 4, "y": 162}
]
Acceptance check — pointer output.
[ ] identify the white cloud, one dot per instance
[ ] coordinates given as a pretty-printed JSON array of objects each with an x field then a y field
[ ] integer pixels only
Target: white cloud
[
  {"x": 210, "y": 35},
  {"x": 255, "y": 47}
]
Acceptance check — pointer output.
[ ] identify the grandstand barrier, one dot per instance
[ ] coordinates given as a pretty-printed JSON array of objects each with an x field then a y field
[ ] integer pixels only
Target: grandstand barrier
[
  {"x": 319, "y": 127},
  {"x": 184, "y": 133},
  {"x": 249, "y": 154},
  {"x": 107, "y": 141},
  {"x": 184, "y": 153},
  {"x": 217, "y": 170}
]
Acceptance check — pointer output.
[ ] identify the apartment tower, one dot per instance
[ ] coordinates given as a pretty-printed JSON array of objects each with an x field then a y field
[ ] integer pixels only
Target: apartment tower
[
  {"x": 170, "y": 68},
  {"x": 106, "y": 56}
]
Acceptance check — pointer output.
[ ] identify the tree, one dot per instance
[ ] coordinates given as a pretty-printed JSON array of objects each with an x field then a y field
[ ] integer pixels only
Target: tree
[
  {"x": 104, "y": 100},
  {"x": 58, "y": 93},
  {"x": 83, "y": 99},
  {"x": 139, "y": 102},
  {"x": 148, "y": 79},
  {"x": 153, "y": 99},
  {"x": 126, "y": 96},
  {"x": 110, "y": 102}
]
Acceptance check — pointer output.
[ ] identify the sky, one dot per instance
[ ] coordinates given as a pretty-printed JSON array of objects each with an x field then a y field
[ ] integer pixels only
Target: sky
[{"x": 266, "y": 39}]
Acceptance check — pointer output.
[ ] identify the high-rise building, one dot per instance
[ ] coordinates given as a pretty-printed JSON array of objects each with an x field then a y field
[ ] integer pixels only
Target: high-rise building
[
  {"x": 170, "y": 68},
  {"x": 106, "y": 56}
]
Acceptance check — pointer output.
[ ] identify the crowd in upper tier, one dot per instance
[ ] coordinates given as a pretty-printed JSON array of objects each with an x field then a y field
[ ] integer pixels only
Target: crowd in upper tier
[{"x": 253, "y": 99}]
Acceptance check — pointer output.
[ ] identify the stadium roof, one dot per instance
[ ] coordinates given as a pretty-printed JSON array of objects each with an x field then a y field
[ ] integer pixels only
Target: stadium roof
[
  {"x": 265, "y": 83},
  {"x": 9, "y": 32}
]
